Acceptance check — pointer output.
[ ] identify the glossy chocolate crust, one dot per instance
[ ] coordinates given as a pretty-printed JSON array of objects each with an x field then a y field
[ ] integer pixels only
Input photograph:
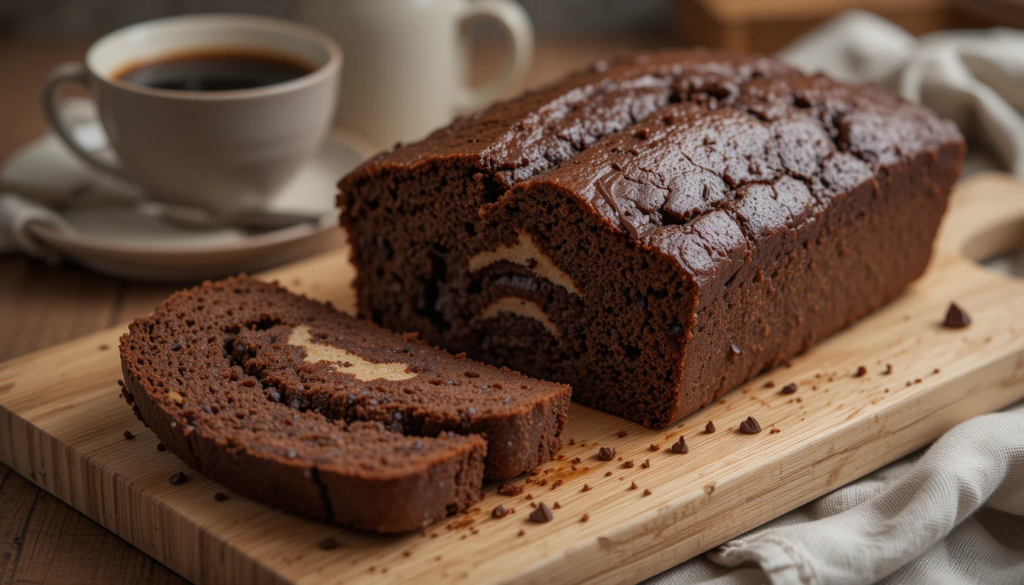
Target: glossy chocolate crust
[
  {"x": 214, "y": 374},
  {"x": 716, "y": 214}
]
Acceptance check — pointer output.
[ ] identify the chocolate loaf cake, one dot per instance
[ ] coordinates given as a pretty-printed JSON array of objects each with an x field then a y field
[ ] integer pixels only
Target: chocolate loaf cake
[
  {"x": 655, "y": 230},
  {"x": 292, "y": 403}
]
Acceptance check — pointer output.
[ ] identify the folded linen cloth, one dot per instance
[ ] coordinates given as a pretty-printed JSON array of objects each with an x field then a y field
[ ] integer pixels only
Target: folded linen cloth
[{"x": 956, "y": 514}]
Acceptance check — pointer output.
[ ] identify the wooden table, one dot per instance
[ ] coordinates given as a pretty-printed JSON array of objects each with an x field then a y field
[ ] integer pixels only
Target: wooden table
[{"x": 42, "y": 540}]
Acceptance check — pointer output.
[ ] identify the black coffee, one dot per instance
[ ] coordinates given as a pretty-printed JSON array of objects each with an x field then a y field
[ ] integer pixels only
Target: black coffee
[{"x": 215, "y": 71}]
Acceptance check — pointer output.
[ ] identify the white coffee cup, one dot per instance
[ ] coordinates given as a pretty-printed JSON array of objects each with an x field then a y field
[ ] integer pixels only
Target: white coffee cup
[
  {"x": 220, "y": 150},
  {"x": 406, "y": 61}
]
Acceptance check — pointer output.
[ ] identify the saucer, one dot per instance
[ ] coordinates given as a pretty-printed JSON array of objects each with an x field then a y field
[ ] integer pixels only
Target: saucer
[{"x": 117, "y": 241}]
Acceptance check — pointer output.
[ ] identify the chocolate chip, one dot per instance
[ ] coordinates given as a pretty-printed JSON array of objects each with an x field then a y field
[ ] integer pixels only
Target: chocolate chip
[
  {"x": 509, "y": 489},
  {"x": 178, "y": 478},
  {"x": 128, "y": 435},
  {"x": 861, "y": 371},
  {"x": 750, "y": 426},
  {"x": 586, "y": 488},
  {"x": 734, "y": 352},
  {"x": 328, "y": 543},
  {"x": 680, "y": 446},
  {"x": 175, "y": 346},
  {"x": 645, "y": 464},
  {"x": 499, "y": 512},
  {"x": 773, "y": 431},
  {"x": 220, "y": 497},
  {"x": 606, "y": 453},
  {"x": 609, "y": 474},
  {"x": 556, "y": 506},
  {"x": 623, "y": 433},
  {"x": 528, "y": 497},
  {"x": 654, "y": 447},
  {"x": 647, "y": 492},
  {"x": 709, "y": 428},
  {"x": 888, "y": 369},
  {"x": 585, "y": 517},
  {"x": 161, "y": 447},
  {"x": 789, "y": 388},
  {"x": 521, "y": 533},
  {"x": 633, "y": 486},
  {"x": 769, "y": 384},
  {"x": 628, "y": 464},
  {"x": 956, "y": 318},
  {"x": 542, "y": 514}
]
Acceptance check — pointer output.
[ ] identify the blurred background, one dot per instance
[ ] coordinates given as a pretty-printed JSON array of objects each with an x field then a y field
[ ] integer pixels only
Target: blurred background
[{"x": 755, "y": 25}]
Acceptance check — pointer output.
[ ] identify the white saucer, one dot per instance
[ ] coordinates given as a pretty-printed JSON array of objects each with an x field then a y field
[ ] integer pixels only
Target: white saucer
[{"x": 115, "y": 240}]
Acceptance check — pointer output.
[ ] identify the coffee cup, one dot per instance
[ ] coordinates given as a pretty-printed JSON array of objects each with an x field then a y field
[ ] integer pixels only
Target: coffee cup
[
  {"x": 406, "y": 61},
  {"x": 216, "y": 111}
]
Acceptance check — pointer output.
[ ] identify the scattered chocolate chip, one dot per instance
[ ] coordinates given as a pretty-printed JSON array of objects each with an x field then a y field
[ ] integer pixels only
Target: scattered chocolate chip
[
  {"x": 178, "y": 478},
  {"x": 609, "y": 474},
  {"x": 585, "y": 517},
  {"x": 750, "y": 426},
  {"x": 586, "y": 488},
  {"x": 499, "y": 512},
  {"x": 542, "y": 514},
  {"x": 606, "y": 453},
  {"x": 645, "y": 464},
  {"x": 888, "y": 369},
  {"x": 120, "y": 383},
  {"x": 521, "y": 533},
  {"x": 328, "y": 543},
  {"x": 220, "y": 497},
  {"x": 556, "y": 506},
  {"x": 710, "y": 427},
  {"x": 406, "y": 553},
  {"x": 773, "y": 431},
  {"x": 936, "y": 371},
  {"x": 956, "y": 318},
  {"x": 647, "y": 492},
  {"x": 633, "y": 486},
  {"x": 861, "y": 371},
  {"x": 509, "y": 489},
  {"x": 680, "y": 446},
  {"x": 769, "y": 384},
  {"x": 161, "y": 447},
  {"x": 654, "y": 447},
  {"x": 623, "y": 433},
  {"x": 789, "y": 388},
  {"x": 628, "y": 464},
  {"x": 128, "y": 435}
]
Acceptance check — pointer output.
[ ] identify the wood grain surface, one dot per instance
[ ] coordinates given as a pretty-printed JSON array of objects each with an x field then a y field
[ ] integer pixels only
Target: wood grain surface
[{"x": 62, "y": 426}]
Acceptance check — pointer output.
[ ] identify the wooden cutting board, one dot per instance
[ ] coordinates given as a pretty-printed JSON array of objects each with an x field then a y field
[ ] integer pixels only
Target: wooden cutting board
[{"x": 62, "y": 425}]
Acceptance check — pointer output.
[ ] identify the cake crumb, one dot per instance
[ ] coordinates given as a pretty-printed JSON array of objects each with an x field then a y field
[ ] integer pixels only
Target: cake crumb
[{"x": 861, "y": 371}]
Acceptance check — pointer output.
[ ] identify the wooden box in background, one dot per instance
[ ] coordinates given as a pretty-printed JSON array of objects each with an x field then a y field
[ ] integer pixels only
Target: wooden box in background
[{"x": 768, "y": 25}]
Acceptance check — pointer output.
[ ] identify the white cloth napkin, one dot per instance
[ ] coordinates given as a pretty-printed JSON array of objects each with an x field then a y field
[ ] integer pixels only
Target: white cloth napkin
[{"x": 956, "y": 515}]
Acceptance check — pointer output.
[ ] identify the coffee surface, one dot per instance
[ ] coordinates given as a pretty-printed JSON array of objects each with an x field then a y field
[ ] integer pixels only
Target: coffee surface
[{"x": 215, "y": 71}]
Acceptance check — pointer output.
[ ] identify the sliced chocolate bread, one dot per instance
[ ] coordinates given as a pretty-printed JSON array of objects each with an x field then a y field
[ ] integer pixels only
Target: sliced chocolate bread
[
  {"x": 655, "y": 230},
  {"x": 287, "y": 401}
]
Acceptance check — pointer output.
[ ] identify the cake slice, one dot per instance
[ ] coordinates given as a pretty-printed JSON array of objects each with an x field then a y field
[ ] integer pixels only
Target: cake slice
[{"x": 287, "y": 401}]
